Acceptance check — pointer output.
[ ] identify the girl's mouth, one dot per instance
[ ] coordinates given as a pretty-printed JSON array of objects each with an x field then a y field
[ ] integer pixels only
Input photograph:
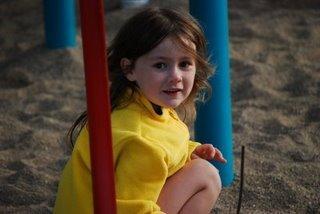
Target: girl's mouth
[{"x": 172, "y": 91}]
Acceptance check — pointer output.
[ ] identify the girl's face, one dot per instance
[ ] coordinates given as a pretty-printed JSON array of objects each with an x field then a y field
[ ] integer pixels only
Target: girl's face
[{"x": 165, "y": 75}]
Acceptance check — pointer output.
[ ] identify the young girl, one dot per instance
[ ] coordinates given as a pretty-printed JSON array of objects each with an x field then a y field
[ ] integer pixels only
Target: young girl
[{"x": 157, "y": 65}]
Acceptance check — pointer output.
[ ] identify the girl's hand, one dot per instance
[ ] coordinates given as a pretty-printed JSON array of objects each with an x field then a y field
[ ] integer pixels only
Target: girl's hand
[{"x": 208, "y": 152}]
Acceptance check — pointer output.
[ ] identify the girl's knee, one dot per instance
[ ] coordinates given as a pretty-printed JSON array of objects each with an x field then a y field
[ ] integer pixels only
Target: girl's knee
[{"x": 208, "y": 173}]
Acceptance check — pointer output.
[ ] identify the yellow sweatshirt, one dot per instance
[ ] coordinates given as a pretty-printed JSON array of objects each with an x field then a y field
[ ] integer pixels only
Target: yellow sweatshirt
[{"x": 147, "y": 149}]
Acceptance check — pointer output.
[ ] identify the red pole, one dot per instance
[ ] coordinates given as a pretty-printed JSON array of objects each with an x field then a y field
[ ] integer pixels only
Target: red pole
[{"x": 98, "y": 105}]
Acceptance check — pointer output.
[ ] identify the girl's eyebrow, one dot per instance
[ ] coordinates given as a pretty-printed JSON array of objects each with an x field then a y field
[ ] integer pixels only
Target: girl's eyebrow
[
  {"x": 159, "y": 57},
  {"x": 169, "y": 58}
]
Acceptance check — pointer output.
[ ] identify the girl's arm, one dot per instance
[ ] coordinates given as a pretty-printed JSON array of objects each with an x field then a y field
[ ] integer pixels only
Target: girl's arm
[{"x": 141, "y": 171}]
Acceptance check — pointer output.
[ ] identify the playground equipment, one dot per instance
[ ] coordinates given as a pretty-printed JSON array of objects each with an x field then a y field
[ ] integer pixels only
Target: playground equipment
[
  {"x": 133, "y": 3},
  {"x": 213, "y": 124},
  {"x": 98, "y": 105},
  {"x": 60, "y": 23}
]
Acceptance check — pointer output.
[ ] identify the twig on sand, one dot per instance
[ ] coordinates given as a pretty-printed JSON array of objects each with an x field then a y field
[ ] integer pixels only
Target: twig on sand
[{"x": 241, "y": 179}]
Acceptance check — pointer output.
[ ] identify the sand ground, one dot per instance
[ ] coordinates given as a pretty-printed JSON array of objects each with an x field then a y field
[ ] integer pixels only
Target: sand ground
[{"x": 275, "y": 71}]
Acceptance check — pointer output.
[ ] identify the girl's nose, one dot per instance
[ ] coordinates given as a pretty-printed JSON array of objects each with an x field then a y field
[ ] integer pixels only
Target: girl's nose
[{"x": 175, "y": 75}]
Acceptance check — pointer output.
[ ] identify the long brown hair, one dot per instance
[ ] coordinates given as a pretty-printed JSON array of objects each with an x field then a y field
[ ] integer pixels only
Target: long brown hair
[{"x": 139, "y": 35}]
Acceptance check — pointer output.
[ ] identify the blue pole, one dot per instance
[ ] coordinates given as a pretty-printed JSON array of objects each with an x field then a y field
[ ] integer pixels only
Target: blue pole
[
  {"x": 214, "y": 122},
  {"x": 60, "y": 23}
]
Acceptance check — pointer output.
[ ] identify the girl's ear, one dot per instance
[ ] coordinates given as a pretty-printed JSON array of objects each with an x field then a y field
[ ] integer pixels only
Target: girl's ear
[{"x": 126, "y": 66}]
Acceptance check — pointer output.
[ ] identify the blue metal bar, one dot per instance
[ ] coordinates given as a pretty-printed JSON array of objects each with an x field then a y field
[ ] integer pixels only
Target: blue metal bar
[
  {"x": 214, "y": 122},
  {"x": 60, "y": 23}
]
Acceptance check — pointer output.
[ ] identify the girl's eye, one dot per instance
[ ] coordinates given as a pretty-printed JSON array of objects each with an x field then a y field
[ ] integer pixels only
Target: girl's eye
[
  {"x": 185, "y": 64},
  {"x": 160, "y": 65}
]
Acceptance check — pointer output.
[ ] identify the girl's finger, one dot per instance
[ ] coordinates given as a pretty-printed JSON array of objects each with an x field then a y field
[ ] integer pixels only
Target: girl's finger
[
  {"x": 219, "y": 157},
  {"x": 194, "y": 156},
  {"x": 212, "y": 154},
  {"x": 209, "y": 152}
]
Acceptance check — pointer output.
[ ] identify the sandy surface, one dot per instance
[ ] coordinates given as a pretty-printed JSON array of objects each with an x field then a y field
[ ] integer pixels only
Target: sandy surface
[{"x": 274, "y": 51}]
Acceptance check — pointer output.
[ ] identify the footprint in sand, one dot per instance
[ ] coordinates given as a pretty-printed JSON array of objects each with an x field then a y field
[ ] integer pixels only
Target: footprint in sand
[
  {"x": 16, "y": 165},
  {"x": 13, "y": 79},
  {"x": 275, "y": 128},
  {"x": 298, "y": 85},
  {"x": 246, "y": 90},
  {"x": 241, "y": 32},
  {"x": 302, "y": 34},
  {"x": 296, "y": 88},
  {"x": 49, "y": 104},
  {"x": 313, "y": 114},
  {"x": 241, "y": 69},
  {"x": 17, "y": 141},
  {"x": 299, "y": 156},
  {"x": 12, "y": 195},
  {"x": 243, "y": 88},
  {"x": 28, "y": 176}
]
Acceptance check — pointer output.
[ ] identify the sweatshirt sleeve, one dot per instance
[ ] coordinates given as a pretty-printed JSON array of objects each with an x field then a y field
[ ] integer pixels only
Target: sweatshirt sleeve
[
  {"x": 191, "y": 147},
  {"x": 141, "y": 172},
  {"x": 75, "y": 192}
]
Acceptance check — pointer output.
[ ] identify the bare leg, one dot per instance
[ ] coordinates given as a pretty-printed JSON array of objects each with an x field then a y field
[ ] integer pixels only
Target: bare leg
[{"x": 193, "y": 189}]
